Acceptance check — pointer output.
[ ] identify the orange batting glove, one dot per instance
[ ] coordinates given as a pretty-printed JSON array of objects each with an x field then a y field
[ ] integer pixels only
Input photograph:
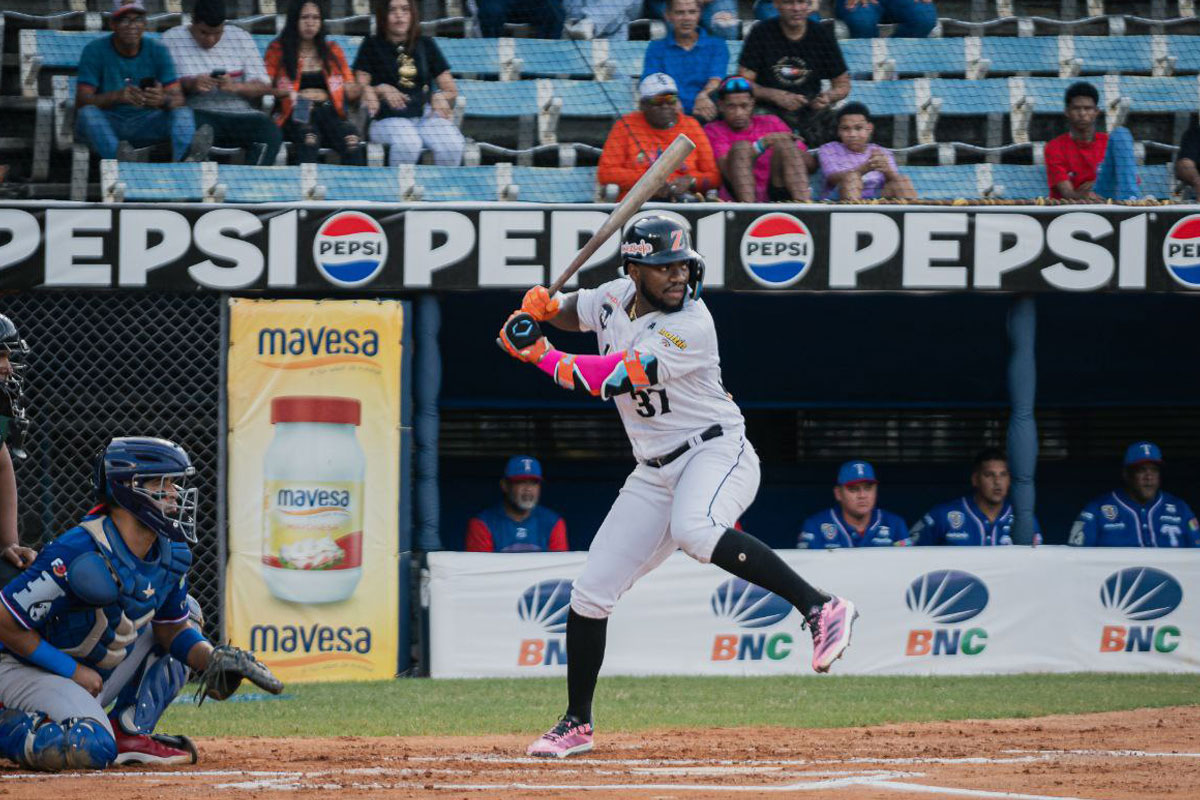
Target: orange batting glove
[
  {"x": 538, "y": 304},
  {"x": 522, "y": 338}
]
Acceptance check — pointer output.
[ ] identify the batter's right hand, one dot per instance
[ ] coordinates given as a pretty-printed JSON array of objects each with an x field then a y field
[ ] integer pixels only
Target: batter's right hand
[
  {"x": 538, "y": 304},
  {"x": 521, "y": 337},
  {"x": 89, "y": 679}
]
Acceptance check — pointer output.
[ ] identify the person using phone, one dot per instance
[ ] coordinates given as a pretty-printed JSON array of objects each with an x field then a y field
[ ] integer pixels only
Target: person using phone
[
  {"x": 128, "y": 93},
  {"x": 222, "y": 73},
  {"x": 314, "y": 84}
]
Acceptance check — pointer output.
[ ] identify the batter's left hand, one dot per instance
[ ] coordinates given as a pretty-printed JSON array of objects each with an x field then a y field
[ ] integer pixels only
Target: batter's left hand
[
  {"x": 522, "y": 338},
  {"x": 19, "y": 556},
  {"x": 538, "y": 304}
]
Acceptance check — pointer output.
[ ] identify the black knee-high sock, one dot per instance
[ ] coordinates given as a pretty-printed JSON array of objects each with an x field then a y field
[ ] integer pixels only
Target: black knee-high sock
[
  {"x": 751, "y": 560},
  {"x": 585, "y": 654}
]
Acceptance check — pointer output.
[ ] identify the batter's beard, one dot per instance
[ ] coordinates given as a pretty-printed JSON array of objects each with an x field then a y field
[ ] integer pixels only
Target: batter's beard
[{"x": 661, "y": 304}]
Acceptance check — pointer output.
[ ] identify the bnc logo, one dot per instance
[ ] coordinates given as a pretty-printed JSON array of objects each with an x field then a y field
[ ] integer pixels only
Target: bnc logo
[
  {"x": 947, "y": 597},
  {"x": 1139, "y": 594},
  {"x": 350, "y": 248},
  {"x": 776, "y": 250},
  {"x": 1181, "y": 251},
  {"x": 750, "y": 606},
  {"x": 546, "y": 605}
]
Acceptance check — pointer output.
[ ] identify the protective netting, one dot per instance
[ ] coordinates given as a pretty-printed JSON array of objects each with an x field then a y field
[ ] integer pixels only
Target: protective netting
[
  {"x": 965, "y": 95},
  {"x": 106, "y": 365}
]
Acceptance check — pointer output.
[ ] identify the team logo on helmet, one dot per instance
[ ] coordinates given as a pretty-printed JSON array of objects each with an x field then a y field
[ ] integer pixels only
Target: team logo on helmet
[
  {"x": 956, "y": 519},
  {"x": 1140, "y": 593},
  {"x": 1109, "y": 511},
  {"x": 639, "y": 248},
  {"x": 748, "y": 605},
  {"x": 947, "y": 595},
  {"x": 350, "y": 249},
  {"x": 776, "y": 250},
  {"x": 828, "y": 529},
  {"x": 546, "y": 604},
  {"x": 1181, "y": 251}
]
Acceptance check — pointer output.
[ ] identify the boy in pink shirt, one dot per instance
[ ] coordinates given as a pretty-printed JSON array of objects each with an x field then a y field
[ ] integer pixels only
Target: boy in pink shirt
[
  {"x": 857, "y": 169},
  {"x": 760, "y": 160}
]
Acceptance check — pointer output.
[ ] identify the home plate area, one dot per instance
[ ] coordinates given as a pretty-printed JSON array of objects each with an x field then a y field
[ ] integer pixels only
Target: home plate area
[{"x": 1138, "y": 754}]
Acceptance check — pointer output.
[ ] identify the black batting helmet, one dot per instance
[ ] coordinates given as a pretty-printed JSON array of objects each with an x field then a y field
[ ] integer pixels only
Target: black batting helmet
[
  {"x": 662, "y": 240},
  {"x": 14, "y": 424}
]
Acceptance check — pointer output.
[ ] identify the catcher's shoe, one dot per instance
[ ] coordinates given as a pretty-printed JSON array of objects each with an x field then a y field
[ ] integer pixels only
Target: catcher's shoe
[
  {"x": 155, "y": 748},
  {"x": 830, "y": 625},
  {"x": 568, "y": 737}
]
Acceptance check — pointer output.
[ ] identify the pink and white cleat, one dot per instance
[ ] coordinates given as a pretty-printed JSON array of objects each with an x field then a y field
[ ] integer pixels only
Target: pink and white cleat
[
  {"x": 568, "y": 737},
  {"x": 830, "y": 625}
]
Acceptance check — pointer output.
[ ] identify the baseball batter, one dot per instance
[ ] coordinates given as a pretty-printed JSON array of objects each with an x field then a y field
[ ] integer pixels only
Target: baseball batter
[
  {"x": 102, "y": 617},
  {"x": 696, "y": 471}
]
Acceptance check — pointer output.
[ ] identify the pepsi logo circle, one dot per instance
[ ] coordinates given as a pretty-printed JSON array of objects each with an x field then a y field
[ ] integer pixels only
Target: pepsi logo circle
[
  {"x": 1181, "y": 251},
  {"x": 777, "y": 249},
  {"x": 350, "y": 249}
]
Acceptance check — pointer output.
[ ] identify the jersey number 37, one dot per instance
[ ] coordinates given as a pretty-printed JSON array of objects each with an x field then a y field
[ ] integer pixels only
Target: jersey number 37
[{"x": 646, "y": 405}]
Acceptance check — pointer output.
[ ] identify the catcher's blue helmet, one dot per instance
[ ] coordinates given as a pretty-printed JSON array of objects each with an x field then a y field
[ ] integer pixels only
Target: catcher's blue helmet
[{"x": 149, "y": 478}]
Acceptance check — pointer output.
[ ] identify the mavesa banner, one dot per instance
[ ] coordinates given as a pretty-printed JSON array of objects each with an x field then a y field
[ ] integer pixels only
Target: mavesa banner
[
  {"x": 314, "y": 477},
  {"x": 923, "y": 611}
]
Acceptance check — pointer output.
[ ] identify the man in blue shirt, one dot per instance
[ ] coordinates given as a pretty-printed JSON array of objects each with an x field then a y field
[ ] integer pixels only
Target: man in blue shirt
[
  {"x": 694, "y": 59},
  {"x": 982, "y": 518},
  {"x": 128, "y": 92},
  {"x": 855, "y": 521},
  {"x": 518, "y": 524},
  {"x": 1139, "y": 515}
]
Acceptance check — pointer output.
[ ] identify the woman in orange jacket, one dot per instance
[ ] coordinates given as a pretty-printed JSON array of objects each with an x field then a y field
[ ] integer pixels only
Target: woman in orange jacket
[{"x": 313, "y": 83}]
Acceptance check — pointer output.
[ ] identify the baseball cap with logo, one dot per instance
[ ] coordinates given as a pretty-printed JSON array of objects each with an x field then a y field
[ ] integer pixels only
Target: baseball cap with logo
[
  {"x": 121, "y": 7},
  {"x": 523, "y": 468},
  {"x": 856, "y": 472},
  {"x": 1143, "y": 453},
  {"x": 656, "y": 83}
]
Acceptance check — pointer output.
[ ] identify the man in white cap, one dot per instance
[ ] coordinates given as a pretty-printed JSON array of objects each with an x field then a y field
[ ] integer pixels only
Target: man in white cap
[{"x": 640, "y": 137}]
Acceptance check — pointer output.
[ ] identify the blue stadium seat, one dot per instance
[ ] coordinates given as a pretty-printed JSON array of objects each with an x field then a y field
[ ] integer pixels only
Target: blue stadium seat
[
  {"x": 1020, "y": 181},
  {"x": 943, "y": 183},
  {"x": 499, "y": 98},
  {"x": 350, "y": 45},
  {"x": 1048, "y": 93},
  {"x": 735, "y": 52},
  {"x": 627, "y": 58},
  {"x": 1186, "y": 50},
  {"x": 857, "y": 53},
  {"x": 1161, "y": 95},
  {"x": 448, "y": 184},
  {"x": 473, "y": 56},
  {"x": 924, "y": 56},
  {"x": 345, "y": 183},
  {"x": 885, "y": 98},
  {"x": 252, "y": 184},
  {"x": 545, "y": 58},
  {"x": 163, "y": 183},
  {"x": 965, "y": 97},
  {"x": 1033, "y": 55},
  {"x": 555, "y": 184},
  {"x": 604, "y": 99},
  {"x": 1113, "y": 54}
]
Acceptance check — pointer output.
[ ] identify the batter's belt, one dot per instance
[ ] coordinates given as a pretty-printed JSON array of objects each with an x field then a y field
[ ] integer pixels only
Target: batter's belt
[{"x": 662, "y": 461}]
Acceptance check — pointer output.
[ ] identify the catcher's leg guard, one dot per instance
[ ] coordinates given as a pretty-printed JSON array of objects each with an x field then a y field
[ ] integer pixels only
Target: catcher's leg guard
[
  {"x": 146, "y": 697},
  {"x": 37, "y": 742}
]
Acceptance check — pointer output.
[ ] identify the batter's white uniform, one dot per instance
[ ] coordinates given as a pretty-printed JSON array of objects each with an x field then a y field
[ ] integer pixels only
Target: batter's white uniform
[{"x": 690, "y": 502}]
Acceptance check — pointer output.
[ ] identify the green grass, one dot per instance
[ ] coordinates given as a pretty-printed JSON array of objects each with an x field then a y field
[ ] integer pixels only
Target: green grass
[{"x": 428, "y": 707}]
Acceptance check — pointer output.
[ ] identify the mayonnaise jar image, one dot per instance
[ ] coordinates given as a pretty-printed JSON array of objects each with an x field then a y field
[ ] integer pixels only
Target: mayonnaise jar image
[{"x": 313, "y": 474}]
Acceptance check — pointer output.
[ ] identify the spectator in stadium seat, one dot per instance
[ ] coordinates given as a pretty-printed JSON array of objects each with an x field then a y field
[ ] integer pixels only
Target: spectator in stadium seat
[
  {"x": 856, "y": 520},
  {"x": 1087, "y": 165},
  {"x": 600, "y": 19},
  {"x": 408, "y": 88},
  {"x": 759, "y": 158},
  {"x": 914, "y": 19},
  {"x": 318, "y": 84},
  {"x": 221, "y": 72},
  {"x": 638, "y": 138},
  {"x": 855, "y": 168},
  {"x": 982, "y": 518},
  {"x": 786, "y": 59},
  {"x": 718, "y": 17},
  {"x": 1140, "y": 514},
  {"x": 518, "y": 524},
  {"x": 1187, "y": 161},
  {"x": 128, "y": 93},
  {"x": 695, "y": 60},
  {"x": 545, "y": 15}
]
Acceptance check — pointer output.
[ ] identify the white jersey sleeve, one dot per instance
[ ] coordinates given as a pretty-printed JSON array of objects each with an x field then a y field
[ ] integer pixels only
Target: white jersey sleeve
[{"x": 682, "y": 343}]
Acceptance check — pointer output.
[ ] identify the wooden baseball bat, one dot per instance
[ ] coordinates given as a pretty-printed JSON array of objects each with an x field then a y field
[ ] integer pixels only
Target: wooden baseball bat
[{"x": 643, "y": 190}]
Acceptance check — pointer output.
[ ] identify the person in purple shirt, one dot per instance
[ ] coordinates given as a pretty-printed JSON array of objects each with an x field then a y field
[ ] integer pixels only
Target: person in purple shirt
[
  {"x": 694, "y": 59},
  {"x": 518, "y": 524},
  {"x": 856, "y": 168},
  {"x": 856, "y": 521}
]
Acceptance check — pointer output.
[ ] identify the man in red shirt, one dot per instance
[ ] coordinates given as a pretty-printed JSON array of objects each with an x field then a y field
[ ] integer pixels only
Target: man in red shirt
[{"x": 1086, "y": 165}]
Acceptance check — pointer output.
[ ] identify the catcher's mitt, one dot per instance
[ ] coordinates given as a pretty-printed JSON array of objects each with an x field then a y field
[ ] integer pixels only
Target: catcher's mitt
[{"x": 226, "y": 667}]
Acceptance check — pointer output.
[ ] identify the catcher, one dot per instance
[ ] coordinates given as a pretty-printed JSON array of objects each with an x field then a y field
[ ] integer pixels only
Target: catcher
[{"x": 102, "y": 619}]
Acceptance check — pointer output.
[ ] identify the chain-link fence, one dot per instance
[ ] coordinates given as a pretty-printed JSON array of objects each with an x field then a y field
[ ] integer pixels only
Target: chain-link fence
[{"x": 117, "y": 365}]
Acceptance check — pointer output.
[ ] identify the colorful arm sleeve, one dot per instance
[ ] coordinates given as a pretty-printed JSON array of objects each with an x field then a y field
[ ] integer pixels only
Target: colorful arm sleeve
[{"x": 601, "y": 376}]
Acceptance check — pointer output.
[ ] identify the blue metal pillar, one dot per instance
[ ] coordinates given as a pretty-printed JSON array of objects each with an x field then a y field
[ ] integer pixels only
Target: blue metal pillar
[
  {"x": 1022, "y": 427},
  {"x": 427, "y": 383}
]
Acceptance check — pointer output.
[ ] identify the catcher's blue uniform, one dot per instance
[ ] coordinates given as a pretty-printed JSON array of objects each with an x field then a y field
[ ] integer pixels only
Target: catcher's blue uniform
[
  {"x": 828, "y": 530},
  {"x": 1117, "y": 520},
  {"x": 960, "y": 522}
]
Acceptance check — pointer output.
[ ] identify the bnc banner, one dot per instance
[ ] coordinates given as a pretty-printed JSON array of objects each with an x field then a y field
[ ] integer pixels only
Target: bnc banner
[
  {"x": 924, "y": 611},
  {"x": 332, "y": 249},
  {"x": 311, "y": 583}
]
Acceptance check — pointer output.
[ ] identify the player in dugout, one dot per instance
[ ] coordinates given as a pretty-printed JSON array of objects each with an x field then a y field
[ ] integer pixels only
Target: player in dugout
[
  {"x": 856, "y": 520},
  {"x": 518, "y": 524},
  {"x": 982, "y": 518},
  {"x": 1140, "y": 514}
]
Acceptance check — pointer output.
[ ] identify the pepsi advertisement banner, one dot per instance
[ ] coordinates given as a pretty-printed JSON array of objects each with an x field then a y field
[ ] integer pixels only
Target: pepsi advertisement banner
[
  {"x": 923, "y": 611},
  {"x": 331, "y": 249}
]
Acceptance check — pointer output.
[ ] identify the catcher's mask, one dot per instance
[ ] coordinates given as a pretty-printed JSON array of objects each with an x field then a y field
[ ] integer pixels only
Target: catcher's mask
[{"x": 149, "y": 478}]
